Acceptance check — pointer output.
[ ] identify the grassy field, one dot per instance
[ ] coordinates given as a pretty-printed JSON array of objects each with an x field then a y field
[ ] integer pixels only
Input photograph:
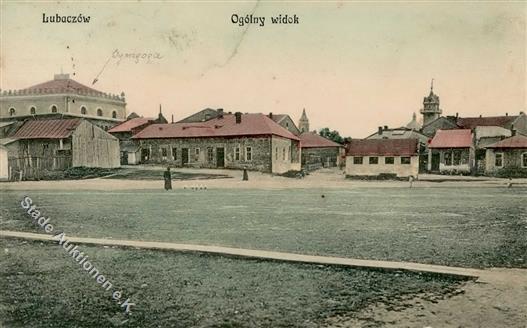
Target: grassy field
[
  {"x": 42, "y": 287},
  {"x": 472, "y": 227}
]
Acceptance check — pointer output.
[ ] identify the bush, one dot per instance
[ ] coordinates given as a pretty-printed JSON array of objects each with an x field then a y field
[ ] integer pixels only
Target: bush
[{"x": 511, "y": 172}]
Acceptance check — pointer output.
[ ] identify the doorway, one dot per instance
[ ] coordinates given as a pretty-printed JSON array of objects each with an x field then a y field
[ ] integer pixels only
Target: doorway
[
  {"x": 220, "y": 157},
  {"x": 435, "y": 162},
  {"x": 184, "y": 156}
]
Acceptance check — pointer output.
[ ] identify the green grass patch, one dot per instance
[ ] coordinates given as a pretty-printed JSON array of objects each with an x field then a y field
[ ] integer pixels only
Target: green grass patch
[{"x": 42, "y": 287}]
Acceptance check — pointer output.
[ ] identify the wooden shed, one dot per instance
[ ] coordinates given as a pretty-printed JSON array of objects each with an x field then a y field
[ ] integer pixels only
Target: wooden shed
[{"x": 57, "y": 144}]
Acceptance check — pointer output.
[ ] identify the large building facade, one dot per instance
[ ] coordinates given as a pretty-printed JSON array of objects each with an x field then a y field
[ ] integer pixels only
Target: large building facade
[
  {"x": 61, "y": 97},
  {"x": 234, "y": 141}
]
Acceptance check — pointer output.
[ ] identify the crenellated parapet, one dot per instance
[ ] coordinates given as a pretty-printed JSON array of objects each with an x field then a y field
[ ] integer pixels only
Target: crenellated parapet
[{"x": 51, "y": 91}]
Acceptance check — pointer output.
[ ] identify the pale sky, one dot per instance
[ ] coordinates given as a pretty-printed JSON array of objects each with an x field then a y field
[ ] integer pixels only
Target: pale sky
[{"x": 352, "y": 65}]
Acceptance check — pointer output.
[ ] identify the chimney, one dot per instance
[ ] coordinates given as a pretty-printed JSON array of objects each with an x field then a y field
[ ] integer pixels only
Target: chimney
[
  {"x": 386, "y": 127},
  {"x": 379, "y": 131},
  {"x": 513, "y": 130},
  {"x": 271, "y": 115},
  {"x": 238, "y": 116},
  {"x": 506, "y": 114},
  {"x": 172, "y": 118},
  {"x": 479, "y": 115},
  {"x": 220, "y": 112},
  {"x": 457, "y": 115}
]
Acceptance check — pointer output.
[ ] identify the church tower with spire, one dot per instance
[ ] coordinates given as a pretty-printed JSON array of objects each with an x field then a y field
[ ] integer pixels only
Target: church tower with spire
[
  {"x": 303, "y": 123},
  {"x": 431, "y": 110}
]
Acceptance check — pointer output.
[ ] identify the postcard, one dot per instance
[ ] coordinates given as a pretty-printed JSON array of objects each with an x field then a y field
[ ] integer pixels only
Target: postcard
[{"x": 263, "y": 163}]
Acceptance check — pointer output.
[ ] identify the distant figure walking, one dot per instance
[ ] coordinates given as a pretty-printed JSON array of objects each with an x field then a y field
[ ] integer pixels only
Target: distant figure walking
[
  {"x": 168, "y": 179},
  {"x": 411, "y": 180},
  {"x": 509, "y": 185}
]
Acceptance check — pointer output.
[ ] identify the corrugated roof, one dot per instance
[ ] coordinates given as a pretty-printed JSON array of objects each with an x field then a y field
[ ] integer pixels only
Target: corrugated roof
[
  {"x": 517, "y": 141},
  {"x": 382, "y": 147},
  {"x": 313, "y": 140},
  {"x": 472, "y": 122},
  {"x": 127, "y": 126},
  {"x": 47, "y": 129},
  {"x": 251, "y": 125},
  {"x": 460, "y": 138}
]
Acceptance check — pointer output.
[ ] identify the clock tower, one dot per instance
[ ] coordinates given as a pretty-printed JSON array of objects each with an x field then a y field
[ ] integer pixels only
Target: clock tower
[{"x": 431, "y": 110}]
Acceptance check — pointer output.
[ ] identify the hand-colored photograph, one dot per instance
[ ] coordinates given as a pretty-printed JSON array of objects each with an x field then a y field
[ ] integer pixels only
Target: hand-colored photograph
[{"x": 237, "y": 164}]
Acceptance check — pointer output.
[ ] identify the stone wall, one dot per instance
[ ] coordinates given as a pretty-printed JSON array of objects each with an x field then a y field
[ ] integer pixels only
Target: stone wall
[
  {"x": 252, "y": 153},
  {"x": 203, "y": 152}
]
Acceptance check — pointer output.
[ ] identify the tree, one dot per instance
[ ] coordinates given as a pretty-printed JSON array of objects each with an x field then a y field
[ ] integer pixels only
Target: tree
[{"x": 331, "y": 135}]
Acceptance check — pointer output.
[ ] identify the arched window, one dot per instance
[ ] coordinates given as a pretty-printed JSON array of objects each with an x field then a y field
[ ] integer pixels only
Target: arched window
[
  {"x": 33, "y": 110},
  {"x": 99, "y": 112},
  {"x": 53, "y": 109},
  {"x": 83, "y": 110},
  {"x": 12, "y": 111},
  {"x": 114, "y": 114}
]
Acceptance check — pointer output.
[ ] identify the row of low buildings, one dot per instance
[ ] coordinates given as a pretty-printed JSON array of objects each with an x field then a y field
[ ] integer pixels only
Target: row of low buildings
[
  {"x": 481, "y": 145},
  {"x": 61, "y": 123}
]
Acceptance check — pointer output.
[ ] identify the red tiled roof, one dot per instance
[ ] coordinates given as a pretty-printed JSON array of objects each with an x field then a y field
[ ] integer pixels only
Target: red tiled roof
[
  {"x": 517, "y": 141},
  {"x": 62, "y": 85},
  {"x": 382, "y": 147},
  {"x": 472, "y": 122},
  {"x": 251, "y": 125},
  {"x": 133, "y": 123},
  {"x": 47, "y": 129},
  {"x": 461, "y": 138},
  {"x": 313, "y": 140}
]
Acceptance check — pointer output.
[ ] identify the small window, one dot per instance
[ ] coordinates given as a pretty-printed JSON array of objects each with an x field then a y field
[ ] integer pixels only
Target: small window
[
  {"x": 283, "y": 153},
  {"x": 524, "y": 160},
  {"x": 114, "y": 114},
  {"x": 374, "y": 160},
  {"x": 164, "y": 153},
  {"x": 99, "y": 112},
  {"x": 83, "y": 110},
  {"x": 276, "y": 153},
  {"x": 389, "y": 160},
  {"x": 12, "y": 111},
  {"x": 498, "y": 162},
  {"x": 448, "y": 158},
  {"x": 237, "y": 154},
  {"x": 210, "y": 154},
  {"x": 174, "y": 153},
  {"x": 248, "y": 154},
  {"x": 357, "y": 160},
  {"x": 33, "y": 110},
  {"x": 45, "y": 146},
  {"x": 197, "y": 151},
  {"x": 53, "y": 109},
  {"x": 406, "y": 160}
]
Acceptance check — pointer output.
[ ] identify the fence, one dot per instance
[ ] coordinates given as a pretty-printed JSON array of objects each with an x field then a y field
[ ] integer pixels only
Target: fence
[{"x": 31, "y": 167}]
